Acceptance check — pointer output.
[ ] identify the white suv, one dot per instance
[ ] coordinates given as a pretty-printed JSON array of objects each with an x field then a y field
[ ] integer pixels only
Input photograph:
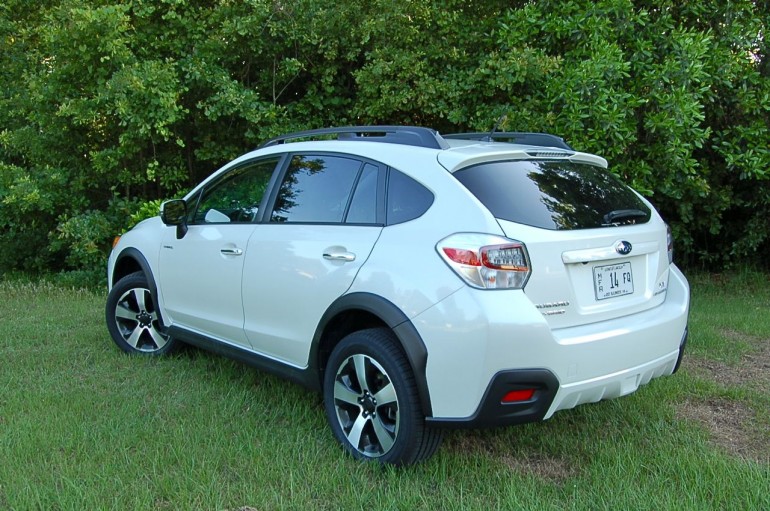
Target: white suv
[{"x": 419, "y": 282}]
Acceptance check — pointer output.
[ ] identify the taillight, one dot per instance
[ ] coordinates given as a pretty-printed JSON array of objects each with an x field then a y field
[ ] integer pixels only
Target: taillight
[
  {"x": 486, "y": 261},
  {"x": 669, "y": 244}
]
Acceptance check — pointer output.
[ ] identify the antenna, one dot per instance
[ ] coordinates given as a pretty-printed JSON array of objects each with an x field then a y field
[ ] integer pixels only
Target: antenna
[{"x": 490, "y": 137}]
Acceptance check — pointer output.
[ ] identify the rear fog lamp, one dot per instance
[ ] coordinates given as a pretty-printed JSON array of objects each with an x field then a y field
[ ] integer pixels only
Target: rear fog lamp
[{"x": 517, "y": 396}]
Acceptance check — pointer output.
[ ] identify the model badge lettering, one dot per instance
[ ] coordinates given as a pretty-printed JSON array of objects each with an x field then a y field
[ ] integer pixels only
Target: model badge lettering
[
  {"x": 550, "y": 305},
  {"x": 550, "y": 308}
]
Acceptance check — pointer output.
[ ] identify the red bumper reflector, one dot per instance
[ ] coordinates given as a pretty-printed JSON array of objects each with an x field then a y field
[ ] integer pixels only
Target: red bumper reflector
[{"x": 516, "y": 396}]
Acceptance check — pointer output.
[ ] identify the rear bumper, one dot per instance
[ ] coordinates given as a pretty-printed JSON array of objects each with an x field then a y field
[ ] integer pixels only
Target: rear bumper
[
  {"x": 614, "y": 385},
  {"x": 550, "y": 396},
  {"x": 493, "y": 412},
  {"x": 500, "y": 340},
  {"x": 682, "y": 347}
]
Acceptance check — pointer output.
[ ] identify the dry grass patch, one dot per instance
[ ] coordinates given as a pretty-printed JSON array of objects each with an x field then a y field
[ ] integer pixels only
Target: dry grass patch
[
  {"x": 551, "y": 468},
  {"x": 731, "y": 427},
  {"x": 556, "y": 470},
  {"x": 753, "y": 369}
]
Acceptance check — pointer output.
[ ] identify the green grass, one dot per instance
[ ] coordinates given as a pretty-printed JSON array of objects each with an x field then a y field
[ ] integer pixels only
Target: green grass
[{"x": 83, "y": 426}]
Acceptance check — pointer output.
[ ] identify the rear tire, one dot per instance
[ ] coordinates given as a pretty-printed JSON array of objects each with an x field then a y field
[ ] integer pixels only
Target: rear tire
[
  {"x": 372, "y": 403},
  {"x": 133, "y": 319}
]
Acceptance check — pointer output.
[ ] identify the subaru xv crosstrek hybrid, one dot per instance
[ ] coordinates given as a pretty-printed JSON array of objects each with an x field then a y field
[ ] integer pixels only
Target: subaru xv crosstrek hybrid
[{"x": 418, "y": 281}]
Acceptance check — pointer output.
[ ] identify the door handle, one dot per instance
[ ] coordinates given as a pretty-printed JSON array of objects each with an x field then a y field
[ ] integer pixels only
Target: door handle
[
  {"x": 232, "y": 251},
  {"x": 340, "y": 256}
]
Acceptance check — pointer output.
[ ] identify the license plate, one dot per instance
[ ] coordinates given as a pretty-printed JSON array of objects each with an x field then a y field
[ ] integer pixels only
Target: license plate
[{"x": 613, "y": 280}]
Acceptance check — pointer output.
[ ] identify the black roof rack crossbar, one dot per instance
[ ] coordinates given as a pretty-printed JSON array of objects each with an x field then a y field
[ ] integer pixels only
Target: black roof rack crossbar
[
  {"x": 515, "y": 137},
  {"x": 404, "y": 135}
]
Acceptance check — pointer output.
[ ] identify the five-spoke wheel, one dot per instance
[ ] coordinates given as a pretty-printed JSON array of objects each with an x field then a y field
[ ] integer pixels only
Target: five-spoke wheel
[
  {"x": 371, "y": 400},
  {"x": 132, "y": 317},
  {"x": 366, "y": 405}
]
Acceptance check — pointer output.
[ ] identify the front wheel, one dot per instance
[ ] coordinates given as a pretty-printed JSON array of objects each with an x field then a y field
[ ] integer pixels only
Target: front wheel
[
  {"x": 372, "y": 403},
  {"x": 133, "y": 319}
]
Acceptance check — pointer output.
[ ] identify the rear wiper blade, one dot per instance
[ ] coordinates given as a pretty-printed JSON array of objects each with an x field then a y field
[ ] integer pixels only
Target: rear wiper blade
[{"x": 613, "y": 217}]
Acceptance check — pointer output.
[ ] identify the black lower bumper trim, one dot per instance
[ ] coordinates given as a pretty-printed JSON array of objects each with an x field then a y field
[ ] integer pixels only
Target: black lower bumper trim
[
  {"x": 682, "y": 345},
  {"x": 493, "y": 412}
]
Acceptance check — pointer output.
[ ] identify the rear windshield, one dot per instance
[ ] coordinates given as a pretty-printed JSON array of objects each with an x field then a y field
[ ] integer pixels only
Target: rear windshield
[{"x": 556, "y": 195}]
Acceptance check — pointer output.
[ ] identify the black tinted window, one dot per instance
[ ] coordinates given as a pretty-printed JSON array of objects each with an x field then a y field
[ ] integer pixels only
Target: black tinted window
[
  {"x": 363, "y": 207},
  {"x": 237, "y": 195},
  {"x": 407, "y": 199},
  {"x": 556, "y": 195},
  {"x": 315, "y": 189}
]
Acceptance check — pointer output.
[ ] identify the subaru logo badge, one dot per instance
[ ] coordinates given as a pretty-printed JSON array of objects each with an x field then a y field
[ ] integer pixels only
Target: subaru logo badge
[{"x": 623, "y": 247}]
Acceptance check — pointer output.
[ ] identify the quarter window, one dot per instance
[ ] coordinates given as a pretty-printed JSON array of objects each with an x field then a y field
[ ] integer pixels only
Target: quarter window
[{"x": 407, "y": 199}]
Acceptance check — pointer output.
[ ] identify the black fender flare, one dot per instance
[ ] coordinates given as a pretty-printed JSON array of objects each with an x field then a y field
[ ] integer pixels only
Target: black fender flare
[
  {"x": 408, "y": 338},
  {"x": 138, "y": 257}
]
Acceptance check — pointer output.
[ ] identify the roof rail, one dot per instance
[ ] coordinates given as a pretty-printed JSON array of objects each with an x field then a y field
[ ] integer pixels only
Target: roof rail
[
  {"x": 515, "y": 137},
  {"x": 404, "y": 135}
]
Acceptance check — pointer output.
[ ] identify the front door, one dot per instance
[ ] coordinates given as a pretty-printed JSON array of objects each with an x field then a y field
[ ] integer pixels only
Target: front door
[{"x": 200, "y": 275}]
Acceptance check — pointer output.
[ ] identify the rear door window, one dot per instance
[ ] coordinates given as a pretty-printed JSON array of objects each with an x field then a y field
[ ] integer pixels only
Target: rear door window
[
  {"x": 316, "y": 189},
  {"x": 363, "y": 206},
  {"x": 555, "y": 195}
]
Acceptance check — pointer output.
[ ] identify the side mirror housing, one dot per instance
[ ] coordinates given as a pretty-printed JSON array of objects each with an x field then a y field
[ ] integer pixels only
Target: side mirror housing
[{"x": 174, "y": 212}]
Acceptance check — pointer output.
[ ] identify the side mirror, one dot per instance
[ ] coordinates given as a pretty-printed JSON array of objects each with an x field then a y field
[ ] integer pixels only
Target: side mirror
[{"x": 174, "y": 212}]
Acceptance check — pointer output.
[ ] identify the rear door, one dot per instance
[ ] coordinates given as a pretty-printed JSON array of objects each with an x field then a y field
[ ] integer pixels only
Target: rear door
[
  {"x": 597, "y": 249},
  {"x": 325, "y": 218}
]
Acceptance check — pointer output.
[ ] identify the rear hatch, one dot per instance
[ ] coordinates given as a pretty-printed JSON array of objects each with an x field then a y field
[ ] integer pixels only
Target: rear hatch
[{"x": 597, "y": 250}]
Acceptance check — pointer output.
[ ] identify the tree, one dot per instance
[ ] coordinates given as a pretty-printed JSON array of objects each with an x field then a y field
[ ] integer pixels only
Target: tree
[{"x": 108, "y": 104}]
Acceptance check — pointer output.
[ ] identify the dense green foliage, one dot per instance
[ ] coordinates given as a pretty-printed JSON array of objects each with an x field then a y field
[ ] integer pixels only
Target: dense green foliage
[{"x": 107, "y": 104}]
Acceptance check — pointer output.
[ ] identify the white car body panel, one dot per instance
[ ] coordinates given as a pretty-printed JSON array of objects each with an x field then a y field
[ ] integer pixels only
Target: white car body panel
[
  {"x": 561, "y": 283},
  {"x": 406, "y": 253},
  {"x": 146, "y": 237},
  {"x": 473, "y": 334},
  {"x": 282, "y": 258},
  {"x": 201, "y": 279}
]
